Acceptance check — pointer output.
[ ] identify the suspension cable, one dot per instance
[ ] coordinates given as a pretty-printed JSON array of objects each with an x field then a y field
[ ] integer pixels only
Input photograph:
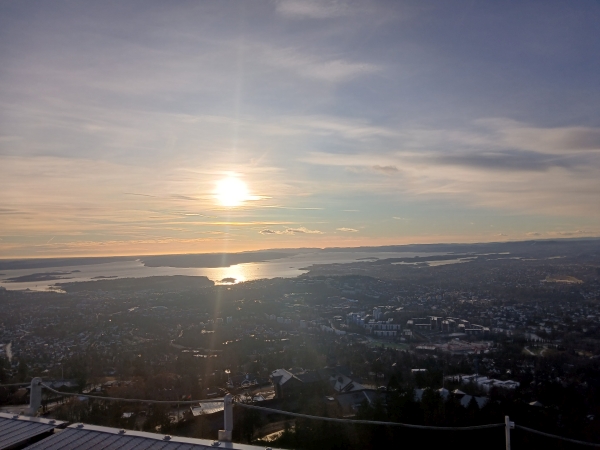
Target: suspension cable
[
  {"x": 368, "y": 422},
  {"x": 541, "y": 433},
  {"x": 306, "y": 416},
  {"x": 132, "y": 400}
]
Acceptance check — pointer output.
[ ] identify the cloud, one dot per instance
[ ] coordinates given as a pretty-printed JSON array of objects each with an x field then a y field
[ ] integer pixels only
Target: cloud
[
  {"x": 570, "y": 233},
  {"x": 533, "y": 233},
  {"x": 140, "y": 195},
  {"x": 478, "y": 165},
  {"x": 508, "y": 160},
  {"x": 11, "y": 211},
  {"x": 363, "y": 159},
  {"x": 312, "y": 9},
  {"x": 292, "y": 208},
  {"x": 399, "y": 218},
  {"x": 387, "y": 170},
  {"x": 292, "y": 231},
  {"x": 345, "y": 128},
  {"x": 556, "y": 140},
  {"x": 319, "y": 67},
  {"x": 183, "y": 197},
  {"x": 348, "y": 230},
  {"x": 301, "y": 230}
]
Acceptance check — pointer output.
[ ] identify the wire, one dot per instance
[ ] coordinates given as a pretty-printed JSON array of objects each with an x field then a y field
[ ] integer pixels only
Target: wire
[
  {"x": 132, "y": 400},
  {"x": 306, "y": 416},
  {"x": 15, "y": 384},
  {"x": 531, "y": 430},
  {"x": 369, "y": 422}
]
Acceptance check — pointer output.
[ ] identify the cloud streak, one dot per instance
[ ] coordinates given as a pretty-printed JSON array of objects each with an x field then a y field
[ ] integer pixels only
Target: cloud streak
[
  {"x": 312, "y": 9},
  {"x": 290, "y": 231}
]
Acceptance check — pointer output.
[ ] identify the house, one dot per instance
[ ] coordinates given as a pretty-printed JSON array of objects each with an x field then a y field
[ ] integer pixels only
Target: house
[
  {"x": 241, "y": 381},
  {"x": 291, "y": 382},
  {"x": 285, "y": 383},
  {"x": 352, "y": 400},
  {"x": 463, "y": 399}
]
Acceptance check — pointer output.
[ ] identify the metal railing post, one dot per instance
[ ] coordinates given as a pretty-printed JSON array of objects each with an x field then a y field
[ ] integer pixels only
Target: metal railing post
[
  {"x": 508, "y": 425},
  {"x": 225, "y": 434},
  {"x": 35, "y": 396}
]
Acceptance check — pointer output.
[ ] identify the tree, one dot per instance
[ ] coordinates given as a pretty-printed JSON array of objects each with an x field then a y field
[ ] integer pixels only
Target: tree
[
  {"x": 158, "y": 418},
  {"x": 250, "y": 423},
  {"x": 4, "y": 365},
  {"x": 22, "y": 371},
  {"x": 431, "y": 403},
  {"x": 473, "y": 411}
]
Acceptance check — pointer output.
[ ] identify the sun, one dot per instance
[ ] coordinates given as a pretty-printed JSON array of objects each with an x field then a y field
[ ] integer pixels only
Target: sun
[{"x": 231, "y": 192}]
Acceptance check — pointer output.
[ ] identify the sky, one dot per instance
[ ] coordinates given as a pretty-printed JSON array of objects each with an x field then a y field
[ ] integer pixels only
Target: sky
[{"x": 347, "y": 123}]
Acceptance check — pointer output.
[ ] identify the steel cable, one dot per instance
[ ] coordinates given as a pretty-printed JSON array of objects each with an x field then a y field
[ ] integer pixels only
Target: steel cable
[
  {"x": 554, "y": 436},
  {"x": 369, "y": 422},
  {"x": 133, "y": 400}
]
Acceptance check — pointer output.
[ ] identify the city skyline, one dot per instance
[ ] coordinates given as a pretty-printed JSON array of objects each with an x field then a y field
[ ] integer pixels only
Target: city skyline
[{"x": 151, "y": 128}]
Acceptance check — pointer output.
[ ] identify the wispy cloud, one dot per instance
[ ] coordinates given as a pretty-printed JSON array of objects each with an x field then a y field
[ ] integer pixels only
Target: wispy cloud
[
  {"x": 347, "y": 230},
  {"x": 479, "y": 168},
  {"x": 292, "y": 231},
  {"x": 292, "y": 208},
  {"x": 313, "y": 9},
  {"x": 139, "y": 195},
  {"x": 387, "y": 170},
  {"x": 324, "y": 68},
  {"x": 572, "y": 233}
]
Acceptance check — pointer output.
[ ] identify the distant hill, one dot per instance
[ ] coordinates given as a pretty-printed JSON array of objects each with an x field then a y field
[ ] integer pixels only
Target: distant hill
[
  {"x": 572, "y": 246},
  {"x": 538, "y": 248},
  {"x": 41, "y": 263},
  {"x": 167, "y": 283}
]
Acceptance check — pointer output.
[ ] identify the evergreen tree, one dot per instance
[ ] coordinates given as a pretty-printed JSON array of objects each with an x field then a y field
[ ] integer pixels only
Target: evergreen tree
[{"x": 22, "y": 371}]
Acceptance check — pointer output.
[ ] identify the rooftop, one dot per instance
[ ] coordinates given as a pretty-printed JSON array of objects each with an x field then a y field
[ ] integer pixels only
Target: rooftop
[{"x": 42, "y": 434}]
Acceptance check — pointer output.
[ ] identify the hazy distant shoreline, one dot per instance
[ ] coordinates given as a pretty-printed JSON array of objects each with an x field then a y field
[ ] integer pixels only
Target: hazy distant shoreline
[
  {"x": 217, "y": 260},
  {"x": 198, "y": 260}
]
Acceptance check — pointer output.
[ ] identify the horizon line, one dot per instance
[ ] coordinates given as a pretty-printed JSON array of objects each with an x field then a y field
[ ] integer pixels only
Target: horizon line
[{"x": 137, "y": 255}]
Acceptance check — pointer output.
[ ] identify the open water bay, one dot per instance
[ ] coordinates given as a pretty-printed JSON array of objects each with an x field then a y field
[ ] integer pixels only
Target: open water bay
[{"x": 290, "y": 266}]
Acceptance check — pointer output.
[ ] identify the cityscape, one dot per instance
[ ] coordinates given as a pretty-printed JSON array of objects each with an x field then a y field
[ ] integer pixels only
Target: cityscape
[{"x": 501, "y": 332}]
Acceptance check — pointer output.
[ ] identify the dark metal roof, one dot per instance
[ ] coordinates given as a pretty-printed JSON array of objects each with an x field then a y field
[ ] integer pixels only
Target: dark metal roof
[
  {"x": 91, "y": 437},
  {"x": 17, "y": 431}
]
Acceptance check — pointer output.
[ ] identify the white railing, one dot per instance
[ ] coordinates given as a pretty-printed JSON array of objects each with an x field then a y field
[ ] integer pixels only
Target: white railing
[{"x": 35, "y": 401}]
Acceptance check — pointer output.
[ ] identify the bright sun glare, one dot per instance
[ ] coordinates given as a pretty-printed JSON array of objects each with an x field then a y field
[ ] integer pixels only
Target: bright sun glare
[{"x": 231, "y": 192}]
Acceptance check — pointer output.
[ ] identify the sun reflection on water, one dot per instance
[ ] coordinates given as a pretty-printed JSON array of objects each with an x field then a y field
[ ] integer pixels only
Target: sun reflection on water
[{"x": 228, "y": 275}]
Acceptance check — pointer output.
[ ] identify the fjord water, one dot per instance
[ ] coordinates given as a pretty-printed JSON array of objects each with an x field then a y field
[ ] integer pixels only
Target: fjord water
[{"x": 287, "y": 267}]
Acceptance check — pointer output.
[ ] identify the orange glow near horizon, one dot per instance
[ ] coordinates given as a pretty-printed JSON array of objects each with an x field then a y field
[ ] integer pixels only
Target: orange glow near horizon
[{"x": 187, "y": 246}]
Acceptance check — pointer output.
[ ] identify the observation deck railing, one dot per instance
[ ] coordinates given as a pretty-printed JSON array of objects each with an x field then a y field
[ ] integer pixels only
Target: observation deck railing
[{"x": 35, "y": 401}]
